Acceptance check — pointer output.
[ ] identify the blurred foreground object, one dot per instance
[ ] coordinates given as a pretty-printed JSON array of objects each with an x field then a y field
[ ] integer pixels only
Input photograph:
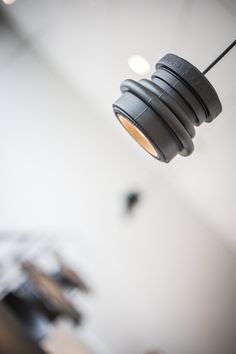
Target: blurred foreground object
[
  {"x": 51, "y": 292},
  {"x": 63, "y": 341},
  {"x": 13, "y": 338},
  {"x": 67, "y": 277},
  {"x": 26, "y": 310}
]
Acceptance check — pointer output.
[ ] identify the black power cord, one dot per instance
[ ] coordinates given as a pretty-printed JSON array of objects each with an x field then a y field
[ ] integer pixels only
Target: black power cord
[{"x": 219, "y": 57}]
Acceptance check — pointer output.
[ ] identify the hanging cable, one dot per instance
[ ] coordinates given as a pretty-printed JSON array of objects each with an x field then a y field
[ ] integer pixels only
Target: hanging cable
[{"x": 219, "y": 57}]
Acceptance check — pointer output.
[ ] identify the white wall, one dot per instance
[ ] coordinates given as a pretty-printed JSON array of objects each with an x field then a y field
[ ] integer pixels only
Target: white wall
[
  {"x": 161, "y": 278},
  {"x": 90, "y": 42}
]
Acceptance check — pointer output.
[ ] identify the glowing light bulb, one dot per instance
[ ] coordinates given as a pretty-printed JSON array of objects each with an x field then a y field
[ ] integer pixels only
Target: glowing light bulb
[
  {"x": 139, "y": 64},
  {"x": 137, "y": 135},
  {"x": 8, "y": 2}
]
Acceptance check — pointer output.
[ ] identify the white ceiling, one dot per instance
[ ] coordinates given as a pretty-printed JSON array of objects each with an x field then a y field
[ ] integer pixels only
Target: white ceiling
[{"x": 66, "y": 164}]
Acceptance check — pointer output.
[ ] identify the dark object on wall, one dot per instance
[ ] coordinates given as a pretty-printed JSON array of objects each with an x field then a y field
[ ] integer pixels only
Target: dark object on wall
[
  {"x": 51, "y": 293},
  {"x": 13, "y": 337},
  {"x": 131, "y": 201},
  {"x": 160, "y": 114}
]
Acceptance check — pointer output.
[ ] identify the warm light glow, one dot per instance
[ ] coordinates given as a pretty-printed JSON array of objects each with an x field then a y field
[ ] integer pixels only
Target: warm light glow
[
  {"x": 8, "y": 2},
  {"x": 137, "y": 135},
  {"x": 139, "y": 64}
]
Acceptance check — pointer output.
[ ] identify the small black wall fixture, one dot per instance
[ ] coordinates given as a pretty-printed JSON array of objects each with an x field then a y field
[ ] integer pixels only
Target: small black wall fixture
[{"x": 161, "y": 113}]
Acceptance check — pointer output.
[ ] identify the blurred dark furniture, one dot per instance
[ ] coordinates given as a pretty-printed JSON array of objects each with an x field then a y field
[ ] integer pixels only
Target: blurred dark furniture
[{"x": 13, "y": 337}]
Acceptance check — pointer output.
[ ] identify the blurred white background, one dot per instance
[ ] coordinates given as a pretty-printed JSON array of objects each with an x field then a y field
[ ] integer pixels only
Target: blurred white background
[{"x": 165, "y": 276}]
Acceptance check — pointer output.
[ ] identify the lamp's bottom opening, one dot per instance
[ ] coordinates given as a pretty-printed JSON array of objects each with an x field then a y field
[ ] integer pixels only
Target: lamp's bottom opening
[{"x": 141, "y": 139}]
